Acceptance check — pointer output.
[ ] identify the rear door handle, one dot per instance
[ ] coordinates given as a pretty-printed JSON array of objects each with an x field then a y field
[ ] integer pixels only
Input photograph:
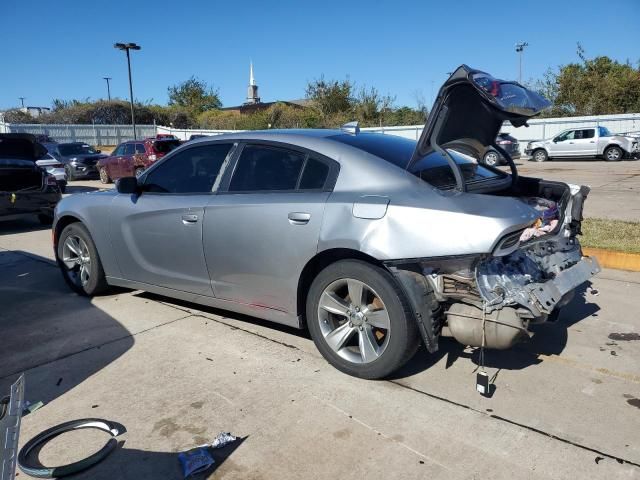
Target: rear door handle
[
  {"x": 299, "y": 218},
  {"x": 189, "y": 218}
]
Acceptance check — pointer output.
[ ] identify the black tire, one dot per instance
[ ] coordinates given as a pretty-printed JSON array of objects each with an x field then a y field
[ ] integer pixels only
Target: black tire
[
  {"x": 403, "y": 336},
  {"x": 104, "y": 176},
  {"x": 539, "y": 155},
  {"x": 613, "y": 154},
  {"x": 69, "y": 172},
  {"x": 97, "y": 282},
  {"x": 491, "y": 158},
  {"x": 62, "y": 187}
]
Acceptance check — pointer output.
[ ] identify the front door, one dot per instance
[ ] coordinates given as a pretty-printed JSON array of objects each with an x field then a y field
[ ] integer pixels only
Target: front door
[
  {"x": 126, "y": 160},
  {"x": 562, "y": 145},
  {"x": 261, "y": 232},
  {"x": 157, "y": 235},
  {"x": 113, "y": 162}
]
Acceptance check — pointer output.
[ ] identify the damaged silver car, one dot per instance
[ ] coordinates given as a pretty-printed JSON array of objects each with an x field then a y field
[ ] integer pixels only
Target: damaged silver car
[{"x": 374, "y": 243}]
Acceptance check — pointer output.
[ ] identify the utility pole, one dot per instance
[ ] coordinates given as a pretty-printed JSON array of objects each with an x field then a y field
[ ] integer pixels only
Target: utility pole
[
  {"x": 126, "y": 47},
  {"x": 108, "y": 88},
  {"x": 22, "y": 100},
  {"x": 520, "y": 49}
]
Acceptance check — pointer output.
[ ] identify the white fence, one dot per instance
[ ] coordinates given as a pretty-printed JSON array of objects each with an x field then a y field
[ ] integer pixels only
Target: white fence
[
  {"x": 92, "y": 134},
  {"x": 114, "y": 134}
]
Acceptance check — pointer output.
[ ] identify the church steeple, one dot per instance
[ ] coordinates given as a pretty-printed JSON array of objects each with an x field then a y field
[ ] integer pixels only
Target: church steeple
[{"x": 252, "y": 89}]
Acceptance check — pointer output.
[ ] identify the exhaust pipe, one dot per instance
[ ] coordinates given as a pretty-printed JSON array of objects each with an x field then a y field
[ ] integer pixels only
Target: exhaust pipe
[{"x": 503, "y": 328}]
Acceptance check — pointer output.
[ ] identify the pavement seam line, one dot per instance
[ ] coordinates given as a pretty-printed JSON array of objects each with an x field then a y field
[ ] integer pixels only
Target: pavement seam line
[
  {"x": 71, "y": 354},
  {"x": 620, "y": 460},
  {"x": 35, "y": 258}
]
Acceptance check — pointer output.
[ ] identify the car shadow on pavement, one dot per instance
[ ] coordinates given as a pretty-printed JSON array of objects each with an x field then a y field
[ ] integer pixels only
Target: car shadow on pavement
[
  {"x": 43, "y": 323},
  {"x": 71, "y": 188},
  {"x": 29, "y": 223},
  {"x": 547, "y": 339}
]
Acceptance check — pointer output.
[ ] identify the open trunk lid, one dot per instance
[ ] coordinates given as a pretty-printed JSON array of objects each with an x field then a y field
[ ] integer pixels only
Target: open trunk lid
[{"x": 473, "y": 105}]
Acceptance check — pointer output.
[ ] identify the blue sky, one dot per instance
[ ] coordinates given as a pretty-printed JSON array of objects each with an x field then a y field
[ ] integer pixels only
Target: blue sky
[{"x": 63, "y": 48}]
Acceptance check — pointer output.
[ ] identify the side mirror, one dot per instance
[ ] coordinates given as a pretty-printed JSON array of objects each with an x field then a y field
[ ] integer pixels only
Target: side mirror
[
  {"x": 127, "y": 185},
  {"x": 555, "y": 140}
]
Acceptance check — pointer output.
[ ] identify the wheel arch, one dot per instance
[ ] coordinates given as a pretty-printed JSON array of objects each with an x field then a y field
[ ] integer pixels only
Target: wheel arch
[
  {"x": 60, "y": 225},
  {"x": 319, "y": 262}
]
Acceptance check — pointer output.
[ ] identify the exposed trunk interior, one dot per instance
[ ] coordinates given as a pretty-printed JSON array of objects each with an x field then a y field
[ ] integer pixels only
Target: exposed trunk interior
[{"x": 16, "y": 178}]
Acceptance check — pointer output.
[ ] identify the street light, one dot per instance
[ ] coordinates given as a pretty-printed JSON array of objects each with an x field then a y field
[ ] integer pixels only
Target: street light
[
  {"x": 108, "y": 88},
  {"x": 520, "y": 49},
  {"x": 126, "y": 47}
]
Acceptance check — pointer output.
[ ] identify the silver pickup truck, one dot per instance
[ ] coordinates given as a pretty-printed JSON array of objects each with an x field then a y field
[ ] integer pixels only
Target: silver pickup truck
[{"x": 584, "y": 142}]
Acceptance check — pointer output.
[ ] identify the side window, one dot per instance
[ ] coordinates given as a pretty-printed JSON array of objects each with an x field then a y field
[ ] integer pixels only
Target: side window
[
  {"x": 265, "y": 168},
  {"x": 589, "y": 133},
  {"x": 566, "y": 136},
  {"x": 128, "y": 149},
  {"x": 314, "y": 175},
  {"x": 140, "y": 148},
  {"x": 193, "y": 170}
]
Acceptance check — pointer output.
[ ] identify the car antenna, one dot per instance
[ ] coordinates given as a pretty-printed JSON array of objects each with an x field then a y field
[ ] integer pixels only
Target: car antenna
[{"x": 351, "y": 127}]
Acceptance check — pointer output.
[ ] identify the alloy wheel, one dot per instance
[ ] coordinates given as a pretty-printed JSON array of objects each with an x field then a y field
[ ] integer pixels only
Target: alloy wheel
[
  {"x": 491, "y": 158},
  {"x": 77, "y": 260},
  {"x": 613, "y": 154},
  {"x": 354, "y": 321},
  {"x": 539, "y": 156}
]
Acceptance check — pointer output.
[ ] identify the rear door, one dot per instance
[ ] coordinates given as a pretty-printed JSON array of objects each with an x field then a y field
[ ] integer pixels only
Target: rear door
[
  {"x": 126, "y": 160},
  {"x": 157, "y": 235},
  {"x": 584, "y": 142},
  {"x": 112, "y": 163},
  {"x": 263, "y": 227}
]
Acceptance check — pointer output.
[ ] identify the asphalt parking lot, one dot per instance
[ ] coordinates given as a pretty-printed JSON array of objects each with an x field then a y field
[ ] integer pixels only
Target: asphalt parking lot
[{"x": 566, "y": 403}]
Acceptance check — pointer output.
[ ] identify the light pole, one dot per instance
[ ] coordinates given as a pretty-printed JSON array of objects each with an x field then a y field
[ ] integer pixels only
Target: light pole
[
  {"x": 22, "y": 100},
  {"x": 520, "y": 49},
  {"x": 126, "y": 47},
  {"x": 108, "y": 88}
]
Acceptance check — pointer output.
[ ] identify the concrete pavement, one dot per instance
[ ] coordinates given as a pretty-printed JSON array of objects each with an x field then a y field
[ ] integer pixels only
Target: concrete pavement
[{"x": 566, "y": 404}]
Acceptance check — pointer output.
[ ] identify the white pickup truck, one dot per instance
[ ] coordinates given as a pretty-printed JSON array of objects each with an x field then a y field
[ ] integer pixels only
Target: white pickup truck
[{"x": 584, "y": 142}]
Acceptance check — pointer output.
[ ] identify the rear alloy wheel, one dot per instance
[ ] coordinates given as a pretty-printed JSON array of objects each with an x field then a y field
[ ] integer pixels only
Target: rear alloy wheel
[
  {"x": 613, "y": 154},
  {"x": 104, "y": 176},
  {"x": 491, "y": 158},
  {"x": 79, "y": 261},
  {"x": 359, "y": 320},
  {"x": 540, "y": 155},
  {"x": 139, "y": 171}
]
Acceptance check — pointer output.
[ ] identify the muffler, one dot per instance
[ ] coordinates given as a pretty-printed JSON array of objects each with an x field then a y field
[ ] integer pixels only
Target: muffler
[{"x": 503, "y": 328}]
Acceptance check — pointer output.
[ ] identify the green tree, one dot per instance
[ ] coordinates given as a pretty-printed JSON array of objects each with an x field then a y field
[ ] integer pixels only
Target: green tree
[
  {"x": 331, "y": 96},
  {"x": 194, "y": 95}
]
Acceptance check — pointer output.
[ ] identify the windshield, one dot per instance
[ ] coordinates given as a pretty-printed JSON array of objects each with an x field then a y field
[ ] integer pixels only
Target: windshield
[
  {"x": 432, "y": 168},
  {"x": 165, "y": 146},
  {"x": 76, "y": 149}
]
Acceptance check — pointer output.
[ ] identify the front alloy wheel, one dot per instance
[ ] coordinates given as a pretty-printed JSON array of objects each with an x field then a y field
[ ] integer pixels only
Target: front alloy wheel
[
  {"x": 79, "y": 261},
  {"x": 360, "y": 320},
  {"x": 491, "y": 158},
  {"x": 613, "y": 154}
]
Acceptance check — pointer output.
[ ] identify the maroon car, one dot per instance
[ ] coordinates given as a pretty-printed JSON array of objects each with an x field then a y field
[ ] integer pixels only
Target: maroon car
[{"x": 133, "y": 157}]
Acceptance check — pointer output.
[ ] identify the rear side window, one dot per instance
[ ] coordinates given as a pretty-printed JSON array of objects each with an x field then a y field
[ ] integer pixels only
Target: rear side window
[
  {"x": 119, "y": 150},
  {"x": 193, "y": 170},
  {"x": 140, "y": 148},
  {"x": 128, "y": 149},
  {"x": 314, "y": 175},
  {"x": 265, "y": 168}
]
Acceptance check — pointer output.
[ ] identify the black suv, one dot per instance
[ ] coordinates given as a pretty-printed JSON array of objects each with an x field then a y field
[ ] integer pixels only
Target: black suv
[{"x": 79, "y": 159}]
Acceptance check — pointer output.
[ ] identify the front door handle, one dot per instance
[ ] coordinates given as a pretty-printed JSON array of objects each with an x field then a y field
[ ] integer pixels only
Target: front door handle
[
  {"x": 299, "y": 218},
  {"x": 189, "y": 218}
]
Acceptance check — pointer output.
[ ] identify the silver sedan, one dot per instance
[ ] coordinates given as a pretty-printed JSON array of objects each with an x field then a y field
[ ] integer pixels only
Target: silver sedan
[{"x": 373, "y": 243}]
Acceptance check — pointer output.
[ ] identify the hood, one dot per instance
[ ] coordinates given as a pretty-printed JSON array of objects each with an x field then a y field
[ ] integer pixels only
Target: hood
[
  {"x": 20, "y": 146},
  {"x": 473, "y": 104}
]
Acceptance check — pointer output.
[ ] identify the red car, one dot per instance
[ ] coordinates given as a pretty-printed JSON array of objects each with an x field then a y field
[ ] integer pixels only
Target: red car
[{"x": 133, "y": 157}]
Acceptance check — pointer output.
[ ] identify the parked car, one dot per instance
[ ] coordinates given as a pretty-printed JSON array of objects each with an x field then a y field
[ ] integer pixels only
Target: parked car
[
  {"x": 372, "y": 242},
  {"x": 25, "y": 188},
  {"x": 488, "y": 154},
  {"x": 596, "y": 142},
  {"x": 55, "y": 168},
  {"x": 79, "y": 159},
  {"x": 133, "y": 157},
  {"x": 196, "y": 136}
]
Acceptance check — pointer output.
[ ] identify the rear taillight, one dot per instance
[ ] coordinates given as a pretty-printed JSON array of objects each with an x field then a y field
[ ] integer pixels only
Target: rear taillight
[
  {"x": 504, "y": 142},
  {"x": 152, "y": 157},
  {"x": 51, "y": 181}
]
